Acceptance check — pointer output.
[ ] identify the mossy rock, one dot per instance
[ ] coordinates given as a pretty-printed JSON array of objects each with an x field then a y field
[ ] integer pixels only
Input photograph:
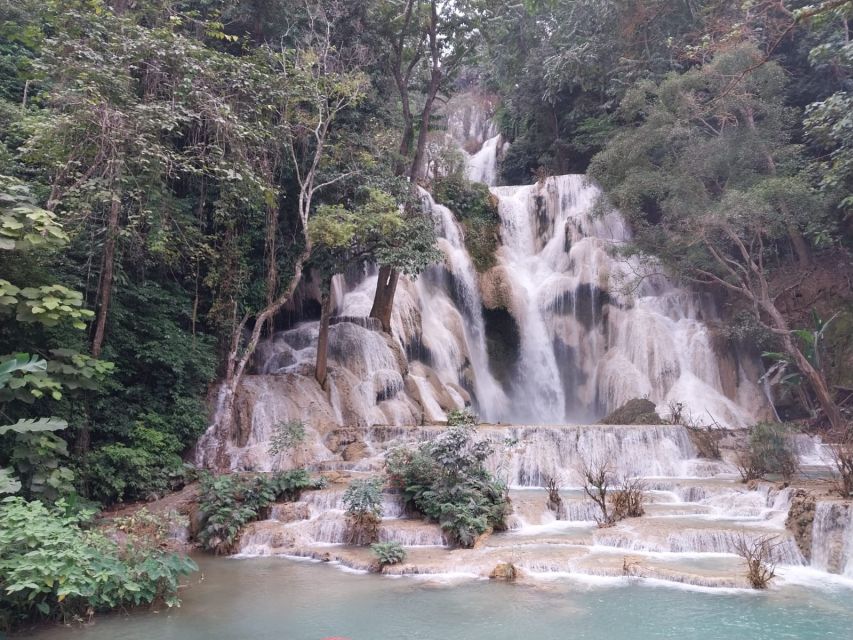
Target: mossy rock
[{"x": 635, "y": 411}]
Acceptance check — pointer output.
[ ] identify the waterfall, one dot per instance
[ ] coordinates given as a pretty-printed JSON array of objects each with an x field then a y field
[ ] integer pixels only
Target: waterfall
[
  {"x": 586, "y": 342},
  {"x": 491, "y": 400},
  {"x": 832, "y": 538}
]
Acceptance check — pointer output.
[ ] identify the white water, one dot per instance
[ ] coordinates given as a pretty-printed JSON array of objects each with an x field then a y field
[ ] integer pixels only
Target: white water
[
  {"x": 688, "y": 535},
  {"x": 586, "y": 345}
]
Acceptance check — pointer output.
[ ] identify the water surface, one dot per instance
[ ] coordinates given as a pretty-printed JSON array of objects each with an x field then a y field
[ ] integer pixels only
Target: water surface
[{"x": 282, "y": 599}]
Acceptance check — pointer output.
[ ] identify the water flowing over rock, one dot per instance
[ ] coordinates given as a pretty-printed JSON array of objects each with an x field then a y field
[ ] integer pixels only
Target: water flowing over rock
[{"x": 583, "y": 342}]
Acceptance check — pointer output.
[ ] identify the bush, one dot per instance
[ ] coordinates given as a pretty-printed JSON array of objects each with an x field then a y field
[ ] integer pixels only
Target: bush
[
  {"x": 460, "y": 417},
  {"x": 286, "y": 436},
  {"x": 363, "y": 501},
  {"x": 769, "y": 450},
  {"x": 53, "y": 567},
  {"x": 388, "y": 553},
  {"x": 228, "y": 502},
  {"x": 149, "y": 466},
  {"x": 758, "y": 554},
  {"x": 446, "y": 480}
]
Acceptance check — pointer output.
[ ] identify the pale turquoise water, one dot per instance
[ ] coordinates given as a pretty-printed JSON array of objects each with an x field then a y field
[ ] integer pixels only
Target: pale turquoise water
[{"x": 280, "y": 599}]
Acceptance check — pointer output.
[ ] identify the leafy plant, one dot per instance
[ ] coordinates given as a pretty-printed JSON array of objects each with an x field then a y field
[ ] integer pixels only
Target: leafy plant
[
  {"x": 286, "y": 436},
  {"x": 461, "y": 417},
  {"x": 388, "y": 553},
  {"x": 53, "y": 567},
  {"x": 769, "y": 450},
  {"x": 228, "y": 502},
  {"x": 477, "y": 210},
  {"x": 363, "y": 501},
  {"x": 446, "y": 480}
]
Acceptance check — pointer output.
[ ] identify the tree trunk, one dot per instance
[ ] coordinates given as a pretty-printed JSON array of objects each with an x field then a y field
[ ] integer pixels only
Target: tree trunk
[
  {"x": 271, "y": 255},
  {"x": 239, "y": 359},
  {"x": 106, "y": 286},
  {"x": 416, "y": 170},
  {"x": 321, "y": 370},
  {"x": 816, "y": 379},
  {"x": 383, "y": 301}
]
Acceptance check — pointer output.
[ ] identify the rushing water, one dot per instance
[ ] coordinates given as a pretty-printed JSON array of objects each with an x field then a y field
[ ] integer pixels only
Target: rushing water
[{"x": 281, "y": 599}]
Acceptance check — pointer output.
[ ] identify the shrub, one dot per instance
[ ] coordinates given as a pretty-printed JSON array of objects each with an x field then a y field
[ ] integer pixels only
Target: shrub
[
  {"x": 53, "y": 567},
  {"x": 363, "y": 501},
  {"x": 446, "y": 481},
  {"x": 842, "y": 459},
  {"x": 228, "y": 502},
  {"x": 758, "y": 553},
  {"x": 617, "y": 500},
  {"x": 286, "y": 436},
  {"x": 460, "y": 417},
  {"x": 147, "y": 467},
  {"x": 628, "y": 500},
  {"x": 555, "y": 500},
  {"x": 388, "y": 553},
  {"x": 769, "y": 450}
]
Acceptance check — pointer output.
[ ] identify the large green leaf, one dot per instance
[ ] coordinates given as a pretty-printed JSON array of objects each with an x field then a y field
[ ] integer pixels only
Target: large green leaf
[
  {"x": 8, "y": 482},
  {"x": 22, "y": 362},
  {"x": 36, "y": 424}
]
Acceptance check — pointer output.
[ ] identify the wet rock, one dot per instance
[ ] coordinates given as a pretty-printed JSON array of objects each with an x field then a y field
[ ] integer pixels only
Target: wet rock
[
  {"x": 636, "y": 411},
  {"x": 504, "y": 571},
  {"x": 496, "y": 288},
  {"x": 800, "y": 521},
  {"x": 355, "y": 451},
  {"x": 339, "y": 439},
  {"x": 290, "y": 511}
]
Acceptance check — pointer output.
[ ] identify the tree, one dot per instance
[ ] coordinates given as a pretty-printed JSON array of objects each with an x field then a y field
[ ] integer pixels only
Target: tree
[
  {"x": 25, "y": 229},
  {"x": 429, "y": 41},
  {"x": 319, "y": 87},
  {"x": 710, "y": 181},
  {"x": 375, "y": 230}
]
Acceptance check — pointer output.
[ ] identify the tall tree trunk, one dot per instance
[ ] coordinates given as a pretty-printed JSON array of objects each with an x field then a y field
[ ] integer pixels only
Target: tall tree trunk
[
  {"x": 238, "y": 359},
  {"x": 815, "y": 378},
  {"x": 271, "y": 257},
  {"x": 321, "y": 370},
  {"x": 106, "y": 285},
  {"x": 383, "y": 301}
]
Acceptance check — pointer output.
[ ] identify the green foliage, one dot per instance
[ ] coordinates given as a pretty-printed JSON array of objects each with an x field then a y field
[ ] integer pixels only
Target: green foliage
[
  {"x": 52, "y": 567},
  {"x": 42, "y": 463},
  {"x": 23, "y": 225},
  {"x": 363, "y": 501},
  {"x": 364, "y": 497},
  {"x": 146, "y": 467},
  {"x": 376, "y": 229},
  {"x": 461, "y": 417},
  {"x": 447, "y": 481},
  {"x": 286, "y": 436},
  {"x": 477, "y": 210},
  {"x": 388, "y": 553},
  {"x": 229, "y": 502},
  {"x": 813, "y": 347},
  {"x": 770, "y": 450}
]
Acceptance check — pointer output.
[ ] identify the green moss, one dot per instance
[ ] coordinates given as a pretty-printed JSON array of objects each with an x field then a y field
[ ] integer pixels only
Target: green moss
[
  {"x": 477, "y": 210},
  {"x": 838, "y": 341}
]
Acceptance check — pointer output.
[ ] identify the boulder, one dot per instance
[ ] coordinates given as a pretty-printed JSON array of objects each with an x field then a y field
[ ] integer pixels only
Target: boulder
[
  {"x": 504, "y": 571},
  {"x": 635, "y": 411},
  {"x": 290, "y": 511},
  {"x": 800, "y": 521}
]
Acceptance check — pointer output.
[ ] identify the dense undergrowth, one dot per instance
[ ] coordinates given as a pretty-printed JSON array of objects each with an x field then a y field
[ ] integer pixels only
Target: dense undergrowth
[
  {"x": 54, "y": 565},
  {"x": 228, "y": 502}
]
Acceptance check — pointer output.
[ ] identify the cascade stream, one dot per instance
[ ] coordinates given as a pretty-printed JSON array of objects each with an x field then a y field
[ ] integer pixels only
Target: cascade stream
[{"x": 579, "y": 337}]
